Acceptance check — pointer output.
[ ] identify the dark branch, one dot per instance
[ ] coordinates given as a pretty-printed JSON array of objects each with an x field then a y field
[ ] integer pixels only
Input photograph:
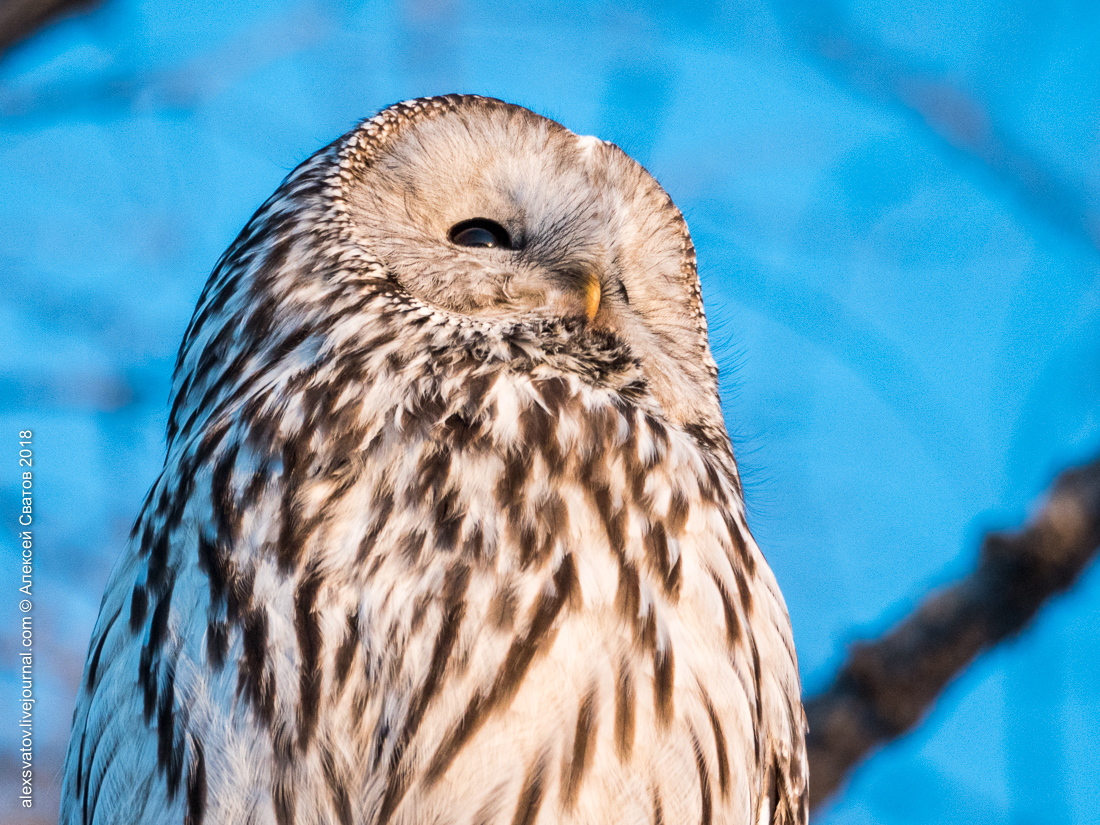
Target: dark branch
[
  {"x": 21, "y": 18},
  {"x": 886, "y": 686}
]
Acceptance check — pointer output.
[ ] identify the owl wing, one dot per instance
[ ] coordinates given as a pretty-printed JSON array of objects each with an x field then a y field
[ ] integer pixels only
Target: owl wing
[
  {"x": 173, "y": 713},
  {"x": 114, "y": 757}
]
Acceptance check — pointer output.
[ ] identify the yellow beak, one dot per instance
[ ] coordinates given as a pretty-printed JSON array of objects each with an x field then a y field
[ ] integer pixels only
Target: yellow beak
[{"x": 593, "y": 291}]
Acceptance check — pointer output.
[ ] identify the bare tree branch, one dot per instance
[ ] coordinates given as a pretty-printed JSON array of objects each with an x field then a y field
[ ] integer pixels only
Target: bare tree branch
[
  {"x": 886, "y": 686},
  {"x": 21, "y": 18}
]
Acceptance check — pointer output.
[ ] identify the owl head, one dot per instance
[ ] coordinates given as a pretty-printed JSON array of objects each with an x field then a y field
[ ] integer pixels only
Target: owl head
[
  {"x": 482, "y": 211},
  {"x": 488, "y": 210}
]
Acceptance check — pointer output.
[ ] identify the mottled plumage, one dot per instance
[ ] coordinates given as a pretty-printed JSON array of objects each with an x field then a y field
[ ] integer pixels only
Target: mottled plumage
[{"x": 445, "y": 533}]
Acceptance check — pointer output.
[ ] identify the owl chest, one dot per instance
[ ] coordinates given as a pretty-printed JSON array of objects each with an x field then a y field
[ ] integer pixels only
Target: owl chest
[
  {"x": 478, "y": 594},
  {"x": 501, "y": 614}
]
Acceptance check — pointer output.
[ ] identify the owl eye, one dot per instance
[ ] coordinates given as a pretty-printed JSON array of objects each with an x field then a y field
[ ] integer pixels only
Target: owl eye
[{"x": 480, "y": 232}]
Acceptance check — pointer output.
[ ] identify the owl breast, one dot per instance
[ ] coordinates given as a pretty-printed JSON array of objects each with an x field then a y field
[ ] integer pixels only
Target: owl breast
[{"x": 540, "y": 601}]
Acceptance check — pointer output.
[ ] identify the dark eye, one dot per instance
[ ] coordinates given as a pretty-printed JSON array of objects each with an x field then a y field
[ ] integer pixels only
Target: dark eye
[{"x": 480, "y": 232}]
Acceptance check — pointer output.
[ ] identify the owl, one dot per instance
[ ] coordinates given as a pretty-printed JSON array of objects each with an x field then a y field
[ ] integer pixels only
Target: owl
[{"x": 449, "y": 530}]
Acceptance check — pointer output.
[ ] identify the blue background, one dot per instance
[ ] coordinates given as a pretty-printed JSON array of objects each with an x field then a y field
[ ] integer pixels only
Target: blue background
[{"x": 897, "y": 215}]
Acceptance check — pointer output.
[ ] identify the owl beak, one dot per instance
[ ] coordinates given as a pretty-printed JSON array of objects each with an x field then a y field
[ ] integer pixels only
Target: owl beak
[
  {"x": 592, "y": 290},
  {"x": 575, "y": 291}
]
